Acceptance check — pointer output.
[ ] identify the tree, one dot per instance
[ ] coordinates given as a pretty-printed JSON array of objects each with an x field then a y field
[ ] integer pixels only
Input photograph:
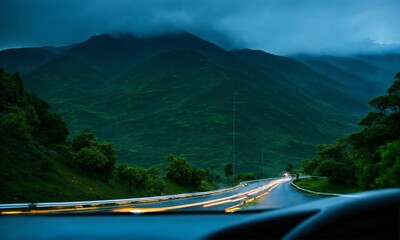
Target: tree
[
  {"x": 91, "y": 160},
  {"x": 107, "y": 148},
  {"x": 245, "y": 177},
  {"x": 86, "y": 143},
  {"x": 371, "y": 118},
  {"x": 310, "y": 166},
  {"x": 228, "y": 171},
  {"x": 389, "y": 166},
  {"x": 41, "y": 107},
  {"x": 130, "y": 174},
  {"x": 289, "y": 168},
  {"x": 140, "y": 178},
  {"x": 157, "y": 185},
  {"x": 85, "y": 139},
  {"x": 14, "y": 124},
  {"x": 52, "y": 129},
  {"x": 337, "y": 172},
  {"x": 179, "y": 170},
  {"x": 367, "y": 157},
  {"x": 198, "y": 176},
  {"x": 381, "y": 103},
  {"x": 335, "y": 151},
  {"x": 395, "y": 88}
]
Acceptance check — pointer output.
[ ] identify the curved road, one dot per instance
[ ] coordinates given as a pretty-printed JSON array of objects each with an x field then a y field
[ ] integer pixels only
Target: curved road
[
  {"x": 283, "y": 196},
  {"x": 260, "y": 194},
  {"x": 267, "y": 194}
]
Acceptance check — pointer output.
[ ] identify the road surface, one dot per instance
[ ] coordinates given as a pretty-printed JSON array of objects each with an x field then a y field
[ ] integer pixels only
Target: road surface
[
  {"x": 264, "y": 194},
  {"x": 283, "y": 196}
]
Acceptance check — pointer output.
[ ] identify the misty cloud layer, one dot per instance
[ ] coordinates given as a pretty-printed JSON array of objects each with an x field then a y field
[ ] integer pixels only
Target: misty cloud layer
[{"x": 281, "y": 26}]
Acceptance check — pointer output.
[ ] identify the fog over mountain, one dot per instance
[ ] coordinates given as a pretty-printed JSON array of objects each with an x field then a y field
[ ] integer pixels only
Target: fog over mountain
[{"x": 279, "y": 27}]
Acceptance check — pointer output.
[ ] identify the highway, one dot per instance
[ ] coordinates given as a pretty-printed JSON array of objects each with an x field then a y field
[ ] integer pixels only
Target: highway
[{"x": 260, "y": 194}]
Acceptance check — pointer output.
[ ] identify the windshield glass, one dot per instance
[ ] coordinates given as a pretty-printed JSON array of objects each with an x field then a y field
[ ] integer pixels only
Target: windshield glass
[{"x": 228, "y": 106}]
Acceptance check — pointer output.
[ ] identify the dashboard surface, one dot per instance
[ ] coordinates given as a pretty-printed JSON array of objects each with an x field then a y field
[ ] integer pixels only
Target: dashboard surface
[{"x": 373, "y": 214}]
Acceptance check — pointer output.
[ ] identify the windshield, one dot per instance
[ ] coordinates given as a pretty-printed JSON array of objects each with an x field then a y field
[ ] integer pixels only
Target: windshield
[{"x": 133, "y": 107}]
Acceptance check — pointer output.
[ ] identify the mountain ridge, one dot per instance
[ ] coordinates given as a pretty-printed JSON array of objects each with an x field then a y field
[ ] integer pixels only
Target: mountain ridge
[{"x": 174, "y": 94}]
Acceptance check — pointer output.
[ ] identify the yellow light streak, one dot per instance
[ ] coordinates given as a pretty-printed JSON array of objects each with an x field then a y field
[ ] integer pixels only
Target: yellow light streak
[
  {"x": 223, "y": 202},
  {"x": 230, "y": 199},
  {"x": 231, "y": 210},
  {"x": 11, "y": 212},
  {"x": 250, "y": 200}
]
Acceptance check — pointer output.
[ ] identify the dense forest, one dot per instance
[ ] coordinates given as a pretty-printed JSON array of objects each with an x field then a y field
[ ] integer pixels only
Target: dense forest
[{"x": 369, "y": 158}]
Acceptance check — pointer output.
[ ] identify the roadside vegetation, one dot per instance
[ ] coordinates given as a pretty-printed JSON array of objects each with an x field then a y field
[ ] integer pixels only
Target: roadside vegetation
[
  {"x": 326, "y": 186},
  {"x": 39, "y": 163},
  {"x": 367, "y": 159}
]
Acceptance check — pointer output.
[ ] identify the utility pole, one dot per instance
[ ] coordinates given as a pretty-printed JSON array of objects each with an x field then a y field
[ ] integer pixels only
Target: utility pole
[
  {"x": 262, "y": 164},
  {"x": 234, "y": 137}
]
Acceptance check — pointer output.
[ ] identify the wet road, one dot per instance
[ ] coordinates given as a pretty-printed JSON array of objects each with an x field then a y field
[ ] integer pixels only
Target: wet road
[
  {"x": 260, "y": 194},
  {"x": 283, "y": 196}
]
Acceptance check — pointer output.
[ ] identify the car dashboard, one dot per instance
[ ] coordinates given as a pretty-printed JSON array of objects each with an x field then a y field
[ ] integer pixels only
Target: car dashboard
[{"x": 367, "y": 215}]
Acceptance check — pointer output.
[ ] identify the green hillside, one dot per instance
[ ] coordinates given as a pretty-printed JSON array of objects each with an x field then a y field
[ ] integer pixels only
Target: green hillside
[
  {"x": 34, "y": 174},
  {"x": 180, "y": 102},
  {"x": 318, "y": 86},
  {"x": 375, "y": 68},
  {"x": 174, "y": 94},
  {"x": 24, "y": 60},
  {"x": 64, "y": 77},
  {"x": 360, "y": 87},
  {"x": 39, "y": 165}
]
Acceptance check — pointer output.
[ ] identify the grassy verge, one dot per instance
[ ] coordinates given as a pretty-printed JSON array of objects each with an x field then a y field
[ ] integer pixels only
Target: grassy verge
[
  {"x": 30, "y": 174},
  {"x": 323, "y": 185},
  {"x": 173, "y": 188}
]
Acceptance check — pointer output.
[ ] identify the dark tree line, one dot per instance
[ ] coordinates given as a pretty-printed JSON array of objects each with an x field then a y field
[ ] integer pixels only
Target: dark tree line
[
  {"x": 26, "y": 117},
  {"x": 369, "y": 158},
  {"x": 141, "y": 178},
  {"x": 182, "y": 172}
]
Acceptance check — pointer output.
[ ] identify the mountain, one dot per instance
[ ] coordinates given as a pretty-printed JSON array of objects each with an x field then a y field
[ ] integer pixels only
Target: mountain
[
  {"x": 360, "y": 87},
  {"x": 174, "y": 94},
  {"x": 65, "y": 74},
  {"x": 318, "y": 86},
  {"x": 389, "y": 61},
  {"x": 24, "y": 60},
  {"x": 185, "y": 107},
  {"x": 375, "y": 68}
]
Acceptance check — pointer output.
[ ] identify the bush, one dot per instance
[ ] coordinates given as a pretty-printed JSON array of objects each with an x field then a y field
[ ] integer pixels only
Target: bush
[
  {"x": 389, "y": 167},
  {"x": 91, "y": 160},
  {"x": 182, "y": 172},
  {"x": 14, "y": 124},
  {"x": 140, "y": 178},
  {"x": 179, "y": 170},
  {"x": 245, "y": 177},
  {"x": 336, "y": 171},
  {"x": 93, "y": 157}
]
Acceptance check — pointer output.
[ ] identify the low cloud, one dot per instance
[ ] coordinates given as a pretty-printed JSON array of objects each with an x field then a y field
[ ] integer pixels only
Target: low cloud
[{"x": 281, "y": 27}]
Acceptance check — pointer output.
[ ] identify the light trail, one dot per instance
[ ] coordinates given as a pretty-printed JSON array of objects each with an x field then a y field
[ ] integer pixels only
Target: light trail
[
  {"x": 210, "y": 203},
  {"x": 243, "y": 198}
]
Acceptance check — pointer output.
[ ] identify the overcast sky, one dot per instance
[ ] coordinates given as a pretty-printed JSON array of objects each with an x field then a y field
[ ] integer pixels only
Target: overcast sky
[{"x": 275, "y": 26}]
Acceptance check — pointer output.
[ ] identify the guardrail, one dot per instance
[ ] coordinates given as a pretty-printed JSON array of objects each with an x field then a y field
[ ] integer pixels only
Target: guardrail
[
  {"x": 117, "y": 201},
  {"x": 320, "y": 193},
  {"x": 126, "y": 200}
]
